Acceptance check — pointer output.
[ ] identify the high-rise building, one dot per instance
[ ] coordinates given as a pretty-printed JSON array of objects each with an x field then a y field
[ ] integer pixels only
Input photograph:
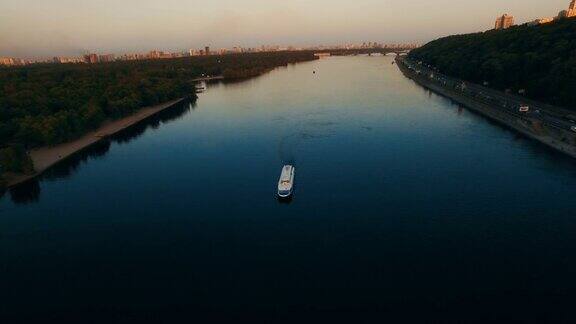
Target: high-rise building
[
  {"x": 6, "y": 61},
  {"x": 106, "y": 58},
  {"x": 504, "y": 21},
  {"x": 207, "y": 50},
  {"x": 571, "y": 9},
  {"x": 91, "y": 58}
]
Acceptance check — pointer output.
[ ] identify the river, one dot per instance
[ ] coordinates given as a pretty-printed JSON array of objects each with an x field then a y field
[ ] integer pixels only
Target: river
[{"x": 405, "y": 205}]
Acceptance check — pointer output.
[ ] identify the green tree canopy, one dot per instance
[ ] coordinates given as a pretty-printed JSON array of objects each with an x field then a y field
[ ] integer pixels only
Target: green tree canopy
[{"x": 539, "y": 59}]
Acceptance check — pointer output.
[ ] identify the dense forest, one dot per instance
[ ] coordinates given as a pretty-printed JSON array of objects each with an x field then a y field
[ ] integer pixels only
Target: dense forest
[
  {"x": 539, "y": 59},
  {"x": 48, "y": 104}
]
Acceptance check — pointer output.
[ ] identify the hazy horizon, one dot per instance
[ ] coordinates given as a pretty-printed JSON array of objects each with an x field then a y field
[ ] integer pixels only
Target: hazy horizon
[{"x": 33, "y": 29}]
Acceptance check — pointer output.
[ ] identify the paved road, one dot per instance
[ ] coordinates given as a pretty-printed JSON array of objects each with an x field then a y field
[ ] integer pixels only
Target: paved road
[{"x": 546, "y": 114}]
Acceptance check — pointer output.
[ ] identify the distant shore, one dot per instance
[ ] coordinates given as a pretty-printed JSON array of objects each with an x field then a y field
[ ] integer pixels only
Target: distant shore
[{"x": 47, "y": 156}]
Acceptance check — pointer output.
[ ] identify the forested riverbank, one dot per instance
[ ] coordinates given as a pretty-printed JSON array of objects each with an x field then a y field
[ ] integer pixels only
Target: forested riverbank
[
  {"x": 44, "y": 105},
  {"x": 537, "y": 61}
]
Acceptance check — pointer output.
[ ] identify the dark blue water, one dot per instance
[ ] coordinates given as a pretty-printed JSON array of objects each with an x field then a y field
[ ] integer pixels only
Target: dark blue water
[{"x": 406, "y": 205}]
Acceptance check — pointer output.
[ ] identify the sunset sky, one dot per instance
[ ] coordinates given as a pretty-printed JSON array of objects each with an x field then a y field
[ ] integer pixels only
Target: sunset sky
[{"x": 36, "y": 28}]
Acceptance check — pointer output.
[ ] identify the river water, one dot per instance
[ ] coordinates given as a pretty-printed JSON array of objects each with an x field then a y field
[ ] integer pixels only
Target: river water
[{"x": 405, "y": 205}]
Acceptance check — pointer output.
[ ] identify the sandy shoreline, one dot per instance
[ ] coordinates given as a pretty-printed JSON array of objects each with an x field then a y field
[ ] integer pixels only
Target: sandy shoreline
[{"x": 45, "y": 157}]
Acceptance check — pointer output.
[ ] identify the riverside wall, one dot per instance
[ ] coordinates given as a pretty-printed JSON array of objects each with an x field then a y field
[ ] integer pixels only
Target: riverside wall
[{"x": 559, "y": 139}]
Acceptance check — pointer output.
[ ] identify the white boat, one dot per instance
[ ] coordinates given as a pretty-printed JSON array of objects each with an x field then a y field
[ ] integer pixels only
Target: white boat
[{"x": 286, "y": 182}]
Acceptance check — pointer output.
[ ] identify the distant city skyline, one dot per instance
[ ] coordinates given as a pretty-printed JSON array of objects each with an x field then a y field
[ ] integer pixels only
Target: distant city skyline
[
  {"x": 206, "y": 51},
  {"x": 38, "y": 29}
]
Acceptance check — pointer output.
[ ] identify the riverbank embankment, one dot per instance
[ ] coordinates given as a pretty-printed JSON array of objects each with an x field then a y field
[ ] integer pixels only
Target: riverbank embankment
[
  {"x": 47, "y": 156},
  {"x": 536, "y": 125}
]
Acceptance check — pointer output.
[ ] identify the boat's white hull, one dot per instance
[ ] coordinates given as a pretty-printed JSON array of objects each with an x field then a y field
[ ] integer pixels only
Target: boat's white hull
[{"x": 286, "y": 182}]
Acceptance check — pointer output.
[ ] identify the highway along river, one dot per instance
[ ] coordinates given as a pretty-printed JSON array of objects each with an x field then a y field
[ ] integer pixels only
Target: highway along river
[{"x": 405, "y": 204}]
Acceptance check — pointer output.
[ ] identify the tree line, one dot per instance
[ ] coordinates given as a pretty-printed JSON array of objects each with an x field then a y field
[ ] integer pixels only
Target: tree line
[
  {"x": 47, "y": 104},
  {"x": 541, "y": 60}
]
